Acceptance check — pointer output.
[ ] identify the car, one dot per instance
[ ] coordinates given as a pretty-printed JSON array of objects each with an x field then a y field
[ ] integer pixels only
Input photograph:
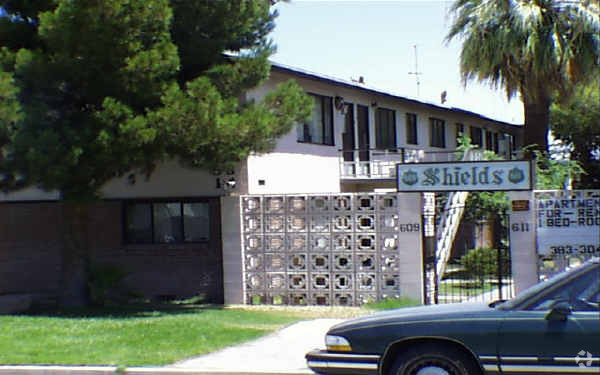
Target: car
[{"x": 551, "y": 328}]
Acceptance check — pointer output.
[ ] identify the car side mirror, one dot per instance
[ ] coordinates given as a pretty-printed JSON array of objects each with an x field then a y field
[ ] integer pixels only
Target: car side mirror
[{"x": 560, "y": 311}]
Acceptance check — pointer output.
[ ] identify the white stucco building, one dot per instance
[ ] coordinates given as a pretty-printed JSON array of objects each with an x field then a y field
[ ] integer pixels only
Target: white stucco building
[{"x": 305, "y": 223}]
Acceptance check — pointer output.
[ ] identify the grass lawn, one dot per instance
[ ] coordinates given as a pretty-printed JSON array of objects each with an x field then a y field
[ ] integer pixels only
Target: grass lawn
[
  {"x": 150, "y": 335},
  {"x": 132, "y": 337},
  {"x": 465, "y": 288}
]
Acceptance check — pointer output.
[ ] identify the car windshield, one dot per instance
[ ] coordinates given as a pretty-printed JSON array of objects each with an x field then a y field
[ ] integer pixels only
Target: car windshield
[{"x": 536, "y": 289}]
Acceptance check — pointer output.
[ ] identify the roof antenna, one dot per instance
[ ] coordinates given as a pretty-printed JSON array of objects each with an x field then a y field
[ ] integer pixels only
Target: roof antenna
[{"x": 416, "y": 72}]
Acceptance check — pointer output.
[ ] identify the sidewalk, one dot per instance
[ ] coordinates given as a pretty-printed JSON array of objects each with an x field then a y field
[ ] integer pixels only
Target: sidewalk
[{"x": 281, "y": 352}]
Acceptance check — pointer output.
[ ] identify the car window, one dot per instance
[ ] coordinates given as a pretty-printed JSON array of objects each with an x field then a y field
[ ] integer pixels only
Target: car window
[{"x": 582, "y": 293}]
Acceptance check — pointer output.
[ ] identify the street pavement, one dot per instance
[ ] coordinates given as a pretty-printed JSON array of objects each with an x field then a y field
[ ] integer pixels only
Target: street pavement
[{"x": 281, "y": 352}]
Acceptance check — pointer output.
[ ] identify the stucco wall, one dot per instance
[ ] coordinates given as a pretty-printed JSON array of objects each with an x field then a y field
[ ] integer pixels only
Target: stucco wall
[
  {"x": 168, "y": 180},
  {"x": 296, "y": 167}
]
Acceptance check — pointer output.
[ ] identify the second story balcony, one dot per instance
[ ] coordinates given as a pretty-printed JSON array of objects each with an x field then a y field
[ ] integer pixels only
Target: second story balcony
[{"x": 380, "y": 165}]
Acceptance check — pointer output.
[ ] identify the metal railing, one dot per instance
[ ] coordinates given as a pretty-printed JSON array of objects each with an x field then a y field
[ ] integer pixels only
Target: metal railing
[{"x": 381, "y": 164}]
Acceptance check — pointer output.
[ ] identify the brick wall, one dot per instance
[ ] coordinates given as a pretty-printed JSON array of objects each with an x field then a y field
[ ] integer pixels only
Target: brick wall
[
  {"x": 30, "y": 262},
  {"x": 30, "y": 246}
]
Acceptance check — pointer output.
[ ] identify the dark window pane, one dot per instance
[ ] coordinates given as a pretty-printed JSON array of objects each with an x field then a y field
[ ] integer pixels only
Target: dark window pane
[
  {"x": 488, "y": 141},
  {"x": 385, "y": 129},
  {"x": 582, "y": 294},
  {"x": 196, "y": 222},
  {"x": 138, "y": 223},
  {"x": 327, "y": 120},
  {"x": 167, "y": 223},
  {"x": 411, "y": 129},
  {"x": 460, "y": 131},
  {"x": 319, "y": 128},
  {"x": 476, "y": 136},
  {"x": 438, "y": 132}
]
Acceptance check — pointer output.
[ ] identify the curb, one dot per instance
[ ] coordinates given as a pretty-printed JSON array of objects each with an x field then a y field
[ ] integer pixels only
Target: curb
[{"x": 112, "y": 370}]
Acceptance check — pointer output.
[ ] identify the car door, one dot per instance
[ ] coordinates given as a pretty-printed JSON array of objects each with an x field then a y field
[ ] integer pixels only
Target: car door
[{"x": 557, "y": 332}]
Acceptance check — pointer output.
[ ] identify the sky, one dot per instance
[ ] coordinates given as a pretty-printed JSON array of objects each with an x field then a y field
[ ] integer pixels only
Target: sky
[{"x": 375, "y": 39}]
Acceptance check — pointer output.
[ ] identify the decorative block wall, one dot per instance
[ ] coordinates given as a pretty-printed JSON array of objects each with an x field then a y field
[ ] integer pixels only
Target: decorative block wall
[{"x": 340, "y": 249}]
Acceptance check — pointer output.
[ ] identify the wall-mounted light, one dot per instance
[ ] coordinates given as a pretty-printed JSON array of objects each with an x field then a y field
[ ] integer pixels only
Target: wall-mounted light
[
  {"x": 339, "y": 103},
  {"x": 373, "y": 104},
  {"x": 131, "y": 179},
  {"x": 227, "y": 183}
]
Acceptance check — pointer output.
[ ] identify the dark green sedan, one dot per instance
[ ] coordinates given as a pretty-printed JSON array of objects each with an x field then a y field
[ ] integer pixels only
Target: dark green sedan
[{"x": 552, "y": 328}]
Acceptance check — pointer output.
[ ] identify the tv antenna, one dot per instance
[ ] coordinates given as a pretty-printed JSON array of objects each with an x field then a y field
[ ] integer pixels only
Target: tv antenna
[{"x": 416, "y": 72}]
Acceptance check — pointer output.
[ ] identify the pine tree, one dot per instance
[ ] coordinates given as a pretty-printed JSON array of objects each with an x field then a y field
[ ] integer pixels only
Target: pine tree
[{"x": 92, "y": 90}]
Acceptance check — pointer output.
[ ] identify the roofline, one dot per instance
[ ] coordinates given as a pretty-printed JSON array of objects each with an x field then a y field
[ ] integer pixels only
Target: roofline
[{"x": 353, "y": 85}]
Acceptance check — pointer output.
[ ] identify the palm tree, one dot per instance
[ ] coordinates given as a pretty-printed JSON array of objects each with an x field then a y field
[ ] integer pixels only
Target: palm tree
[{"x": 537, "y": 48}]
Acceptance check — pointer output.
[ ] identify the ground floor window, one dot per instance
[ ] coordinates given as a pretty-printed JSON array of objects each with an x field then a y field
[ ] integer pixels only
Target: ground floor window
[{"x": 166, "y": 222}]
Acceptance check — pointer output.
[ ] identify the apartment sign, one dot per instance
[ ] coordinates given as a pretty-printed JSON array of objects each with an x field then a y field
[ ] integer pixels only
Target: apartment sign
[
  {"x": 465, "y": 176},
  {"x": 568, "y": 226}
]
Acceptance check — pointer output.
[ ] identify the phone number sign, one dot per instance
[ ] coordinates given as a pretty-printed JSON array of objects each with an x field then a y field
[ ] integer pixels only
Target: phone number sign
[{"x": 568, "y": 226}]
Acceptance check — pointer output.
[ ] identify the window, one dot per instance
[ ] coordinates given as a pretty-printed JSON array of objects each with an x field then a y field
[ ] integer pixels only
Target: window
[
  {"x": 460, "y": 131},
  {"x": 476, "y": 136},
  {"x": 582, "y": 294},
  {"x": 319, "y": 128},
  {"x": 385, "y": 129},
  {"x": 411, "y": 129},
  {"x": 166, "y": 222},
  {"x": 489, "y": 140},
  {"x": 496, "y": 142},
  {"x": 511, "y": 142},
  {"x": 438, "y": 132}
]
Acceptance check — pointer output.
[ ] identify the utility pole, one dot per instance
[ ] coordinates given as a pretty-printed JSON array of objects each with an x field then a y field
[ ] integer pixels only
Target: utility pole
[{"x": 416, "y": 72}]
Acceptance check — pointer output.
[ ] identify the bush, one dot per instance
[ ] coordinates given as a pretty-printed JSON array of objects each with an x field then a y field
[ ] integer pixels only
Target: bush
[
  {"x": 104, "y": 283},
  {"x": 391, "y": 303},
  {"x": 482, "y": 263}
]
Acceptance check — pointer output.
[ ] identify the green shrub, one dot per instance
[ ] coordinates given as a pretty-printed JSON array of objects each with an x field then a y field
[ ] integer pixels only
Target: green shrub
[
  {"x": 391, "y": 303},
  {"x": 104, "y": 283},
  {"x": 482, "y": 263}
]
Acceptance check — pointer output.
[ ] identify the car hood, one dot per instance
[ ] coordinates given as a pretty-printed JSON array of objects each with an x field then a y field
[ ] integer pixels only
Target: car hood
[{"x": 429, "y": 312}]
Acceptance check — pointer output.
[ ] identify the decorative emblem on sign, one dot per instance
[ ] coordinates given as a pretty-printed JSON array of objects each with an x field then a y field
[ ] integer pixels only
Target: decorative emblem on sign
[
  {"x": 410, "y": 177},
  {"x": 516, "y": 175}
]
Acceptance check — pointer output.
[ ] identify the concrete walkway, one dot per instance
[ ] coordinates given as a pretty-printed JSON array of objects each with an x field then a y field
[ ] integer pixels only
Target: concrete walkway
[{"x": 281, "y": 352}]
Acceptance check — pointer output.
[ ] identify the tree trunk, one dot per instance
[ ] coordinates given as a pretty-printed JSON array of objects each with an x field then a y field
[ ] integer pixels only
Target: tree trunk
[
  {"x": 537, "y": 118},
  {"x": 75, "y": 255}
]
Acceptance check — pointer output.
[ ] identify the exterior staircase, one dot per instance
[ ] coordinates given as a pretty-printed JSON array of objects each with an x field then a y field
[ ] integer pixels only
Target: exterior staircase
[{"x": 447, "y": 228}]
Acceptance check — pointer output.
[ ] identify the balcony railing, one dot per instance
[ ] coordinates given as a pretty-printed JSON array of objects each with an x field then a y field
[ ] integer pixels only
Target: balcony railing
[{"x": 374, "y": 164}]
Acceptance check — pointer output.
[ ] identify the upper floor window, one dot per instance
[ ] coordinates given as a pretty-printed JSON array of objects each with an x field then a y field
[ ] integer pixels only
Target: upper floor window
[
  {"x": 512, "y": 146},
  {"x": 319, "y": 128},
  {"x": 476, "y": 136},
  {"x": 411, "y": 129},
  {"x": 166, "y": 222},
  {"x": 460, "y": 131},
  {"x": 496, "y": 142},
  {"x": 385, "y": 129},
  {"x": 491, "y": 141},
  {"x": 437, "y": 132}
]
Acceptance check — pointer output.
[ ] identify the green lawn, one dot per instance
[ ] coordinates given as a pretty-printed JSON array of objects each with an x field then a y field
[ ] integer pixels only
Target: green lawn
[
  {"x": 392, "y": 303},
  {"x": 134, "y": 337},
  {"x": 465, "y": 288}
]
